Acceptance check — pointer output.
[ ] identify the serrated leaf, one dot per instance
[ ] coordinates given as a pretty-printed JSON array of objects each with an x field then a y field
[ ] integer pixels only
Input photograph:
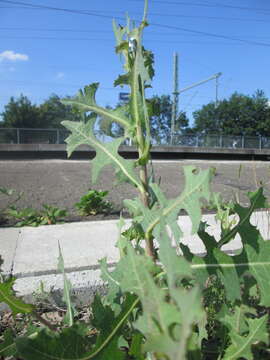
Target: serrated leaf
[
  {"x": 71, "y": 344},
  {"x": 15, "y": 304},
  {"x": 254, "y": 258},
  {"x": 188, "y": 301},
  {"x": 74, "y": 344},
  {"x": 196, "y": 189},
  {"x": 106, "y": 153},
  {"x": 241, "y": 345},
  {"x": 136, "y": 346},
  {"x": 161, "y": 322},
  {"x": 85, "y": 101},
  {"x": 7, "y": 347},
  {"x": 257, "y": 201}
]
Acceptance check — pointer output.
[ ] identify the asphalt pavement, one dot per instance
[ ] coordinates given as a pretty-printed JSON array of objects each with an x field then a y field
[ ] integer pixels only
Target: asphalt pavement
[{"x": 63, "y": 182}]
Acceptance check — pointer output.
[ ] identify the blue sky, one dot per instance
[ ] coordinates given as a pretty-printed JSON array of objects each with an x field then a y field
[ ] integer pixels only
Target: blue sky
[{"x": 45, "y": 51}]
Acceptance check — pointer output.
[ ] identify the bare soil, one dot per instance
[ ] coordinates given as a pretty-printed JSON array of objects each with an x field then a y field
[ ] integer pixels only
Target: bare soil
[{"x": 63, "y": 182}]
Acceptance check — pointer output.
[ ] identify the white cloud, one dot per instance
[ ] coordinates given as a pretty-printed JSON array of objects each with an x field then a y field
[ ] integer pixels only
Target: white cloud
[
  {"x": 12, "y": 56},
  {"x": 60, "y": 75}
]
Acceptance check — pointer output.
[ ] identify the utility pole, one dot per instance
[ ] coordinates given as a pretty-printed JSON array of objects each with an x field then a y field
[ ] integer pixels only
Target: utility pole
[
  {"x": 217, "y": 84},
  {"x": 175, "y": 95}
]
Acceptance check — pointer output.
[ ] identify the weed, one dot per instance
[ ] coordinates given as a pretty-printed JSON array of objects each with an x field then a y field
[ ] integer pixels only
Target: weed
[
  {"x": 162, "y": 301},
  {"x": 93, "y": 203},
  {"x": 31, "y": 217},
  {"x": 13, "y": 196}
]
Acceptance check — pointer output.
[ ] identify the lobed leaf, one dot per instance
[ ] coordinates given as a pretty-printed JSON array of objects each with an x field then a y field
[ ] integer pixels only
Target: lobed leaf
[
  {"x": 7, "y": 347},
  {"x": 85, "y": 101},
  {"x": 15, "y": 304},
  {"x": 165, "y": 212},
  {"x": 106, "y": 153},
  {"x": 254, "y": 258},
  {"x": 241, "y": 344},
  {"x": 74, "y": 343}
]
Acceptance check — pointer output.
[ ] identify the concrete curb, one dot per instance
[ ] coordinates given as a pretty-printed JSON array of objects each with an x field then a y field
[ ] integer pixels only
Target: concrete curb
[{"x": 31, "y": 254}]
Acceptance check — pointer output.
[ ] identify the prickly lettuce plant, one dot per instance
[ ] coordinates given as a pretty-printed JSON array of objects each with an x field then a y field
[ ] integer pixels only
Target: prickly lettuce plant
[{"x": 163, "y": 302}]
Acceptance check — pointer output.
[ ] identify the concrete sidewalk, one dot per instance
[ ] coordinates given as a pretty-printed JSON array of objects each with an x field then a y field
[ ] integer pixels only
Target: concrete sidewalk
[{"x": 31, "y": 254}]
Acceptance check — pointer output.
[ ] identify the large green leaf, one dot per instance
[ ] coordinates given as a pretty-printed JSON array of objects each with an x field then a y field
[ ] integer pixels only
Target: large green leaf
[
  {"x": 254, "y": 258},
  {"x": 74, "y": 344},
  {"x": 106, "y": 153},
  {"x": 85, "y": 101},
  {"x": 256, "y": 331},
  {"x": 196, "y": 189},
  {"x": 15, "y": 304},
  {"x": 165, "y": 324},
  {"x": 257, "y": 201},
  {"x": 7, "y": 347},
  {"x": 71, "y": 343}
]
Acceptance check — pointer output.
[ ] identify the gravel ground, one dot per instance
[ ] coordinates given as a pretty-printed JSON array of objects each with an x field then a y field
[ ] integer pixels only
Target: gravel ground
[{"x": 63, "y": 182}]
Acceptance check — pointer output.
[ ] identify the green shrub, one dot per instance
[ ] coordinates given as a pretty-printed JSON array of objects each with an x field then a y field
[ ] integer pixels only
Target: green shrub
[{"x": 93, "y": 203}]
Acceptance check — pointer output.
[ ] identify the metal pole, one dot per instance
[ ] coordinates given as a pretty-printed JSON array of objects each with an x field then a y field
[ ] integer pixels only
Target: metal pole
[
  {"x": 216, "y": 102},
  {"x": 175, "y": 95},
  {"x": 57, "y": 136},
  {"x": 18, "y": 136}
]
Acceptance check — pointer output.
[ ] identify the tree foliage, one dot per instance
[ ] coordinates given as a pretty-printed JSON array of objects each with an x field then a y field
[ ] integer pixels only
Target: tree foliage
[
  {"x": 160, "y": 116},
  {"x": 22, "y": 113},
  {"x": 161, "y": 119},
  {"x": 239, "y": 115}
]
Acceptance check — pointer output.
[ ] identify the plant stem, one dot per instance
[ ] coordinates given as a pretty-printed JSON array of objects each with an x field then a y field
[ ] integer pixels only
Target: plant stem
[{"x": 150, "y": 250}]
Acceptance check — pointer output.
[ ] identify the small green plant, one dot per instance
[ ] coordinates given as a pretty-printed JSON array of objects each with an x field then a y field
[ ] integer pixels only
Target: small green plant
[
  {"x": 13, "y": 196},
  {"x": 25, "y": 217},
  {"x": 52, "y": 214},
  {"x": 31, "y": 217},
  {"x": 93, "y": 203}
]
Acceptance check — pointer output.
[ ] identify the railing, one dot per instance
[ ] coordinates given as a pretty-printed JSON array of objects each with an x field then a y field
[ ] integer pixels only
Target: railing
[
  {"x": 32, "y": 136},
  {"x": 58, "y": 136}
]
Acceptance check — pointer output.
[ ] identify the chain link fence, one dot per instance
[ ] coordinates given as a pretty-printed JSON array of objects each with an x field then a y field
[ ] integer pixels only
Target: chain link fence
[
  {"x": 58, "y": 136},
  {"x": 33, "y": 136}
]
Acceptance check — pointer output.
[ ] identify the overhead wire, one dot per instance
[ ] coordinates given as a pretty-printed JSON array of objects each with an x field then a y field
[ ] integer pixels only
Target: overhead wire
[
  {"x": 84, "y": 12},
  {"x": 214, "y": 5}
]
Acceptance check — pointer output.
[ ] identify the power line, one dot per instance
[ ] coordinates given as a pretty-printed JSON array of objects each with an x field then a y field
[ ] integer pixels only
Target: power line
[
  {"x": 109, "y": 40},
  {"x": 73, "y": 11},
  {"x": 102, "y": 31},
  {"x": 153, "y": 24},
  {"x": 40, "y": 83},
  {"x": 211, "y": 34},
  {"x": 84, "y": 12},
  {"x": 215, "y": 5}
]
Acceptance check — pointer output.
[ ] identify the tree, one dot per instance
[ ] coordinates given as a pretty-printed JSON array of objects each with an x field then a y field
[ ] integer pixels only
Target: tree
[
  {"x": 52, "y": 112},
  {"x": 161, "y": 118},
  {"x": 239, "y": 115},
  {"x": 160, "y": 110},
  {"x": 21, "y": 113}
]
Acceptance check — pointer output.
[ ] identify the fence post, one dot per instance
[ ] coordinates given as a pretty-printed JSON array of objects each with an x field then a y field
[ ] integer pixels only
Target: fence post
[
  {"x": 57, "y": 136},
  {"x": 18, "y": 135},
  {"x": 260, "y": 142},
  {"x": 197, "y": 141},
  {"x": 220, "y": 141},
  {"x": 243, "y": 142}
]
